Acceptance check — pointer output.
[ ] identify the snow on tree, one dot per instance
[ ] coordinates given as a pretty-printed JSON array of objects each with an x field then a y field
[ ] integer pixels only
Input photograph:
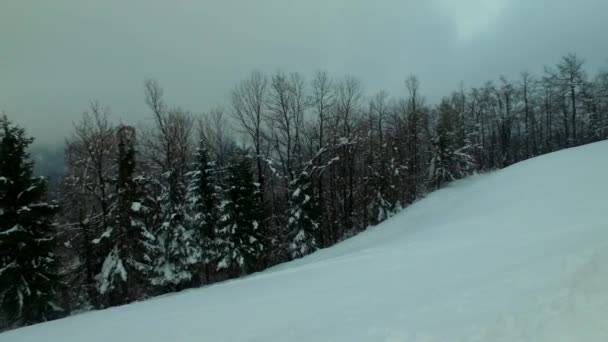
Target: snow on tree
[
  {"x": 239, "y": 226},
  {"x": 382, "y": 207},
  {"x": 28, "y": 264},
  {"x": 303, "y": 221},
  {"x": 382, "y": 200},
  {"x": 127, "y": 266},
  {"x": 87, "y": 193},
  {"x": 203, "y": 205},
  {"x": 178, "y": 247},
  {"x": 168, "y": 146},
  {"x": 451, "y": 158}
]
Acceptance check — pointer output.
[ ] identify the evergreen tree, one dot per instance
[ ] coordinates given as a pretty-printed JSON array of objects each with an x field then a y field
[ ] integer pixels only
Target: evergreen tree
[
  {"x": 382, "y": 208},
  {"x": 303, "y": 217},
  {"x": 179, "y": 251},
  {"x": 131, "y": 245},
  {"x": 28, "y": 266},
  {"x": 239, "y": 233},
  {"x": 203, "y": 202}
]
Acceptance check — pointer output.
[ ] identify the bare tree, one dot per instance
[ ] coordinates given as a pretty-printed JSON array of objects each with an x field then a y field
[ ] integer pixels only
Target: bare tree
[
  {"x": 417, "y": 125},
  {"x": 169, "y": 142},
  {"x": 286, "y": 106},
  {"x": 569, "y": 78},
  {"x": 248, "y": 100},
  {"x": 376, "y": 180},
  {"x": 322, "y": 101},
  {"x": 214, "y": 128},
  {"x": 90, "y": 155},
  {"x": 527, "y": 90},
  {"x": 349, "y": 94}
]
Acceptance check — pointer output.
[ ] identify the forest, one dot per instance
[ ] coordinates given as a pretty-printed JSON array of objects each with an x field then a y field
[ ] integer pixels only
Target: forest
[{"x": 290, "y": 165}]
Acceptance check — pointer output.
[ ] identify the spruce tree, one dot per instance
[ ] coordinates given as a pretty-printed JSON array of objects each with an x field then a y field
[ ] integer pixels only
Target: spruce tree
[
  {"x": 28, "y": 264},
  {"x": 239, "y": 233},
  {"x": 303, "y": 217},
  {"x": 179, "y": 251},
  {"x": 203, "y": 201},
  {"x": 131, "y": 246}
]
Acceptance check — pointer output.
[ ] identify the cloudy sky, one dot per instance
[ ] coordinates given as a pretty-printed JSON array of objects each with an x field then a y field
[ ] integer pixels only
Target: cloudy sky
[{"x": 57, "y": 55}]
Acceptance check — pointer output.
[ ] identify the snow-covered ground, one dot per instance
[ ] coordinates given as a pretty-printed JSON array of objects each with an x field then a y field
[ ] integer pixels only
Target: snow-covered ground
[{"x": 515, "y": 255}]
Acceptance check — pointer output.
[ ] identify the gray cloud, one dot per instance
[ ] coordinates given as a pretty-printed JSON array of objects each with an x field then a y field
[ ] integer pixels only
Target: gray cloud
[{"x": 57, "y": 55}]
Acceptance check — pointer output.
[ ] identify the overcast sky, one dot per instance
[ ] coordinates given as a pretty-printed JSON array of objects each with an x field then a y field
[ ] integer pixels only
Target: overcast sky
[{"x": 57, "y": 55}]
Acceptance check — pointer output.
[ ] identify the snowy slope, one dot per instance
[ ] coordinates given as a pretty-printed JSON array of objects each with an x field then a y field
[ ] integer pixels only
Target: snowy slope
[{"x": 516, "y": 255}]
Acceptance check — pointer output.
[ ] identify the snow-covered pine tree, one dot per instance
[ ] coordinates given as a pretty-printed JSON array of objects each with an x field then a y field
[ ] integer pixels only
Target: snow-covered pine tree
[
  {"x": 203, "y": 205},
  {"x": 168, "y": 147},
  {"x": 131, "y": 246},
  {"x": 303, "y": 221},
  {"x": 28, "y": 278},
  {"x": 239, "y": 226},
  {"x": 179, "y": 250},
  {"x": 382, "y": 208}
]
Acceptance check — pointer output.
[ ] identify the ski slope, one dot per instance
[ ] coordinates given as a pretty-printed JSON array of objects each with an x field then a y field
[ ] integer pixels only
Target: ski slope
[{"x": 519, "y": 254}]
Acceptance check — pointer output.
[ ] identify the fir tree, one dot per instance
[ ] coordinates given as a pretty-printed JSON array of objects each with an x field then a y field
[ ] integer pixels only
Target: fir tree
[
  {"x": 179, "y": 251},
  {"x": 382, "y": 208},
  {"x": 203, "y": 201},
  {"x": 239, "y": 233},
  {"x": 28, "y": 278},
  {"x": 303, "y": 217},
  {"x": 131, "y": 245}
]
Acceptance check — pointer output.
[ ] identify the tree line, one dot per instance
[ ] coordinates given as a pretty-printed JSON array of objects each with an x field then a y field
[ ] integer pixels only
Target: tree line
[{"x": 289, "y": 166}]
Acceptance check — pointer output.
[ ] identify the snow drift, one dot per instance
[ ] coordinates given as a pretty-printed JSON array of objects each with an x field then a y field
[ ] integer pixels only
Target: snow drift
[{"x": 516, "y": 255}]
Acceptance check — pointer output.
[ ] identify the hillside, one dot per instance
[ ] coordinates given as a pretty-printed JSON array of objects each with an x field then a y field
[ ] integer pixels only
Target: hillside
[{"x": 520, "y": 254}]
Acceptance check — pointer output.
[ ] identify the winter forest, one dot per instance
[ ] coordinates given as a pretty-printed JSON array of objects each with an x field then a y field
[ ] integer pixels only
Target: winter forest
[{"x": 289, "y": 165}]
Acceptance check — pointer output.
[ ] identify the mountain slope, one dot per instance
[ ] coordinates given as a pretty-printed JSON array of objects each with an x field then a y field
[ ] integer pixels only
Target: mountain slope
[{"x": 516, "y": 255}]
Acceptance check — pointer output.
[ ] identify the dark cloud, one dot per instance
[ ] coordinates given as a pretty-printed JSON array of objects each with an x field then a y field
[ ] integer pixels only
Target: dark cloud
[{"x": 57, "y": 55}]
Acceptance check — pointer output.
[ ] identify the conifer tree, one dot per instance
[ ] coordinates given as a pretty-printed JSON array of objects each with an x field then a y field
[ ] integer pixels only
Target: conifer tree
[
  {"x": 239, "y": 233},
  {"x": 178, "y": 247},
  {"x": 203, "y": 202},
  {"x": 303, "y": 217},
  {"x": 131, "y": 245},
  {"x": 28, "y": 266}
]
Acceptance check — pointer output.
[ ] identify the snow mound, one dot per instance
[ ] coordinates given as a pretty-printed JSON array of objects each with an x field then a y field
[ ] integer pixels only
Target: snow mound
[{"x": 516, "y": 255}]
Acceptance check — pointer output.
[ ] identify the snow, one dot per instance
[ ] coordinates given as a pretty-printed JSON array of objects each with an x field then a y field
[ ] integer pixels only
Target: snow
[
  {"x": 23, "y": 209},
  {"x": 14, "y": 229},
  {"x": 296, "y": 193},
  {"x": 111, "y": 269},
  {"x": 516, "y": 255},
  {"x": 104, "y": 235},
  {"x": 223, "y": 264},
  {"x": 170, "y": 273},
  {"x": 55, "y": 307},
  {"x": 10, "y": 266},
  {"x": 135, "y": 206}
]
